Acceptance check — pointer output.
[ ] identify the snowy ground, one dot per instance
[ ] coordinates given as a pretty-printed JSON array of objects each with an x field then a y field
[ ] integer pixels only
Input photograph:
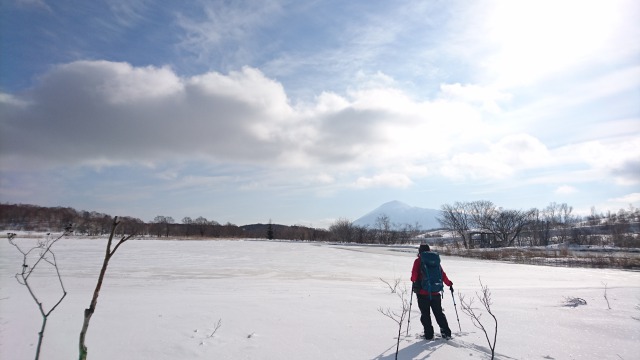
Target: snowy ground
[{"x": 285, "y": 300}]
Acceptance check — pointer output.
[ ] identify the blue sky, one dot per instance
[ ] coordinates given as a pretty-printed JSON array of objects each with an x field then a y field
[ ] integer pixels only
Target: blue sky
[{"x": 303, "y": 112}]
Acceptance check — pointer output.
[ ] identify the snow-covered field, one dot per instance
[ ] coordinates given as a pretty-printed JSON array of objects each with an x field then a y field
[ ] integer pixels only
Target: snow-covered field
[{"x": 287, "y": 300}]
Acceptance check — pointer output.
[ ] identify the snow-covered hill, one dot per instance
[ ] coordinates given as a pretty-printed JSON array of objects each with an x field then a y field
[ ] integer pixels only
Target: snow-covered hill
[{"x": 400, "y": 214}]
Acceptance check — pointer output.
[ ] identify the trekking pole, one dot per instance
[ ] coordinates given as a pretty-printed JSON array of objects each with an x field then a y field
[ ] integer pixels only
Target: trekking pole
[
  {"x": 455, "y": 307},
  {"x": 409, "y": 319}
]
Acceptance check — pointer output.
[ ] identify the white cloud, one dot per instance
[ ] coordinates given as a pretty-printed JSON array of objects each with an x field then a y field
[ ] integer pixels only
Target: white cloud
[
  {"x": 85, "y": 111},
  {"x": 103, "y": 114},
  {"x": 566, "y": 190},
  {"x": 536, "y": 39},
  {"x": 384, "y": 180},
  {"x": 487, "y": 97},
  {"x": 324, "y": 178},
  {"x": 118, "y": 83},
  {"x": 11, "y": 101},
  {"x": 621, "y": 202},
  {"x": 500, "y": 160},
  {"x": 612, "y": 159},
  {"x": 633, "y": 198}
]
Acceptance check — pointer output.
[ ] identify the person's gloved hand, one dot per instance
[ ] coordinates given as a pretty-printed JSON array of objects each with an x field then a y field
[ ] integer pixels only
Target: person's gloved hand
[
  {"x": 451, "y": 287},
  {"x": 415, "y": 287}
]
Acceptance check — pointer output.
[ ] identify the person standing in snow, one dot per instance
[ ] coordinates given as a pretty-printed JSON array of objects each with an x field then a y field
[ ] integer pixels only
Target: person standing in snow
[{"x": 430, "y": 301}]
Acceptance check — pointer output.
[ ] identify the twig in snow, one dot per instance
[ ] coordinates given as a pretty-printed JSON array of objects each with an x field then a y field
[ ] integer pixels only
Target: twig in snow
[
  {"x": 218, "y": 325},
  {"x": 574, "y": 301},
  {"x": 605, "y": 295}
]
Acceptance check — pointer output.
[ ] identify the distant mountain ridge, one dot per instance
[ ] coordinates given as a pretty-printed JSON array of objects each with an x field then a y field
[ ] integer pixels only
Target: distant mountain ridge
[{"x": 401, "y": 214}]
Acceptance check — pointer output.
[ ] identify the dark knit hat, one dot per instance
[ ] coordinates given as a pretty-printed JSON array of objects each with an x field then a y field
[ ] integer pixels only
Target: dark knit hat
[{"x": 423, "y": 248}]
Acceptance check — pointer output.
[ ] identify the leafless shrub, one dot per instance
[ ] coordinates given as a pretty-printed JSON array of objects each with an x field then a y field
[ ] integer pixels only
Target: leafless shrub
[
  {"x": 88, "y": 313},
  {"x": 469, "y": 310},
  {"x": 41, "y": 252},
  {"x": 574, "y": 301},
  {"x": 398, "y": 316},
  {"x": 393, "y": 287}
]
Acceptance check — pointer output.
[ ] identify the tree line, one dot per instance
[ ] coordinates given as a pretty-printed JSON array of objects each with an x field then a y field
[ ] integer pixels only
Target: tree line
[
  {"x": 21, "y": 217},
  {"x": 382, "y": 232},
  {"x": 483, "y": 224},
  {"x": 471, "y": 224}
]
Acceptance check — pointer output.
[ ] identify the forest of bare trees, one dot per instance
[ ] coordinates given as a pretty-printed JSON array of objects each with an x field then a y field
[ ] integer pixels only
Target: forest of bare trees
[
  {"x": 471, "y": 224},
  {"x": 383, "y": 232},
  {"x": 483, "y": 224},
  {"x": 19, "y": 217}
]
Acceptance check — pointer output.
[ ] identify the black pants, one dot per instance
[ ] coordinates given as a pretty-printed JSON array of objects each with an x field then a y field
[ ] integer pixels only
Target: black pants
[{"x": 433, "y": 302}]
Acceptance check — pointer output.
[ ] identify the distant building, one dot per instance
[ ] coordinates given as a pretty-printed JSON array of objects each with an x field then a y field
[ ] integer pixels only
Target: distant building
[{"x": 480, "y": 238}]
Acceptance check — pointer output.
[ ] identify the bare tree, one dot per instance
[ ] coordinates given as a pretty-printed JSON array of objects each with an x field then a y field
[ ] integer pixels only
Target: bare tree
[
  {"x": 456, "y": 218},
  {"x": 362, "y": 234},
  {"x": 560, "y": 219},
  {"x": 406, "y": 232},
  {"x": 506, "y": 225},
  {"x": 342, "y": 230},
  {"x": 188, "y": 223},
  {"x": 162, "y": 224},
  {"x": 383, "y": 229},
  {"x": 539, "y": 228},
  {"x": 88, "y": 313},
  {"x": 398, "y": 316},
  {"x": 469, "y": 310},
  {"x": 43, "y": 253},
  {"x": 482, "y": 212},
  {"x": 201, "y": 223}
]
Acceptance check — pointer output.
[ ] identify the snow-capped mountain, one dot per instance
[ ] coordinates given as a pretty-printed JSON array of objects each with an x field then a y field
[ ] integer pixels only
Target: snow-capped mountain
[{"x": 401, "y": 214}]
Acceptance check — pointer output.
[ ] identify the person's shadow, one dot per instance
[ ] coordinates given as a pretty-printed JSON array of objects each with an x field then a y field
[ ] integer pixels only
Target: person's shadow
[
  {"x": 420, "y": 350},
  {"x": 416, "y": 351}
]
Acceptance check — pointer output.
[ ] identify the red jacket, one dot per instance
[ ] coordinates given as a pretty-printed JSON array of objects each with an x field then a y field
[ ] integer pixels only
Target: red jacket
[{"x": 416, "y": 275}]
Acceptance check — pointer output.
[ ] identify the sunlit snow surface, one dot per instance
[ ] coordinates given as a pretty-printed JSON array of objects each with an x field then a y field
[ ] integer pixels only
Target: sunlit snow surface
[{"x": 286, "y": 300}]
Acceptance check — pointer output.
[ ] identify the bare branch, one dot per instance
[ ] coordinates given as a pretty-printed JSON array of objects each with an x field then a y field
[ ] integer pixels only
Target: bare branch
[
  {"x": 218, "y": 325},
  {"x": 475, "y": 315},
  {"x": 398, "y": 316},
  {"x": 605, "y": 296},
  {"x": 122, "y": 240},
  {"x": 46, "y": 255},
  {"x": 88, "y": 313},
  {"x": 393, "y": 288}
]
